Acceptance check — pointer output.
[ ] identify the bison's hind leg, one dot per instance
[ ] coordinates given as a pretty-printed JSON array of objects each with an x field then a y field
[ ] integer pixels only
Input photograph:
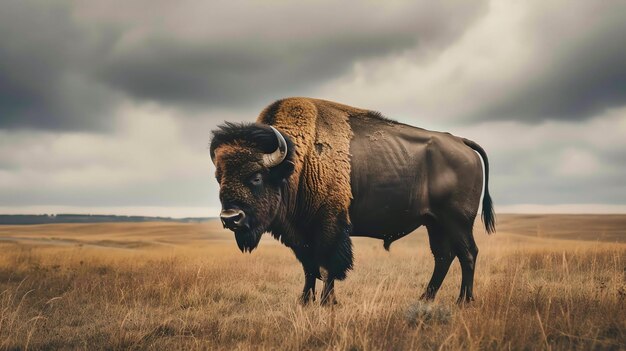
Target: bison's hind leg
[
  {"x": 467, "y": 252},
  {"x": 443, "y": 254},
  {"x": 451, "y": 236}
]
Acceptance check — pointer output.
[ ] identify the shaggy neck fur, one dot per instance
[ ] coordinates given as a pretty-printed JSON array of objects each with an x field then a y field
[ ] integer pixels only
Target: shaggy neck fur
[{"x": 321, "y": 136}]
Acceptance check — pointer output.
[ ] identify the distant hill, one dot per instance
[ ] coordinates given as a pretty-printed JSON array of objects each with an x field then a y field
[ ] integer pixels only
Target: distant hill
[{"x": 82, "y": 218}]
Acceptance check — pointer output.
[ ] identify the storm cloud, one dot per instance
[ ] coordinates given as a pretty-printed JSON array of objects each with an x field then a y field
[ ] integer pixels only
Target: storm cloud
[
  {"x": 580, "y": 68},
  {"x": 110, "y": 104},
  {"x": 521, "y": 62},
  {"x": 45, "y": 69},
  {"x": 66, "y": 65}
]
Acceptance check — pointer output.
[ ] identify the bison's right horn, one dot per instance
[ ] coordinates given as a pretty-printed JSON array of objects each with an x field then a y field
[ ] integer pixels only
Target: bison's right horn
[{"x": 278, "y": 156}]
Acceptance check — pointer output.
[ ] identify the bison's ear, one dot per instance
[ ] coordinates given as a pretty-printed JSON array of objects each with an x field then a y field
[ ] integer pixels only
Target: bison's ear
[{"x": 282, "y": 171}]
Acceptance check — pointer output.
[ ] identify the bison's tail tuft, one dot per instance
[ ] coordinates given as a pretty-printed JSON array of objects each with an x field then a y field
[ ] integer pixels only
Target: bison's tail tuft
[{"x": 488, "y": 215}]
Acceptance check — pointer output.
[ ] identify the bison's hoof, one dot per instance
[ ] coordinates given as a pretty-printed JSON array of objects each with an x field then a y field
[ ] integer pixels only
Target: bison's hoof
[
  {"x": 427, "y": 297},
  {"x": 306, "y": 299},
  {"x": 464, "y": 300},
  {"x": 330, "y": 301}
]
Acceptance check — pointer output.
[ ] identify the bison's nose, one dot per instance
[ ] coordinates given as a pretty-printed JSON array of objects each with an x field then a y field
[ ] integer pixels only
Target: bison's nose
[{"x": 232, "y": 218}]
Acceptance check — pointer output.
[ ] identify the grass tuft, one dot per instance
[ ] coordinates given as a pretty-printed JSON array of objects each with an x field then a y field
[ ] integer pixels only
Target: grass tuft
[{"x": 428, "y": 313}]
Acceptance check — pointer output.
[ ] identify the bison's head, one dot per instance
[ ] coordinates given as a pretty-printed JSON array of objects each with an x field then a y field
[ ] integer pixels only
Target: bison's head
[{"x": 253, "y": 162}]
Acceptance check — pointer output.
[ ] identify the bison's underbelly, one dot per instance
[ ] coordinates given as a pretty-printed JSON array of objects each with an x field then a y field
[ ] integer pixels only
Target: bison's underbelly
[
  {"x": 383, "y": 227},
  {"x": 384, "y": 216}
]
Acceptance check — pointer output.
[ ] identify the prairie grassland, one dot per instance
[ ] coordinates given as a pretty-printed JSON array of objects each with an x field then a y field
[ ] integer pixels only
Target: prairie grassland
[{"x": 172, "y": 286}]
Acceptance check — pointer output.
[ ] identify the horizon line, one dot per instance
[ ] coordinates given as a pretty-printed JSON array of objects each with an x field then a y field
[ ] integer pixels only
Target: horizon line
[{"x": 213, "y": 212}]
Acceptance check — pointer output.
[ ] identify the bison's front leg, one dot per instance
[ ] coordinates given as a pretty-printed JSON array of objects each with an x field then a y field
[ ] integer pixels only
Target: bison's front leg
[
  {"x": 311, "y": 272},
  {"x": 336, "y": 264},
  {"x": 308, "y": 292}
]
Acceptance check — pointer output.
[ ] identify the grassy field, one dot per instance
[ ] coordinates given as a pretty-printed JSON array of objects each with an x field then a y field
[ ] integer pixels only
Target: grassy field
[{"x": 543, "y": 282}]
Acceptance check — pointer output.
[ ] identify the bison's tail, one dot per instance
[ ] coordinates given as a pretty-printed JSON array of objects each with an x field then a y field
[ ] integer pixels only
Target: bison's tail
[{"x": 488, "y": 215}]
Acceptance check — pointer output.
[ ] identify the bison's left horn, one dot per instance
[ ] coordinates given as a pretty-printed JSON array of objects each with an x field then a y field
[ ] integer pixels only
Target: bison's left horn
[{"x": 278, "y": 156}]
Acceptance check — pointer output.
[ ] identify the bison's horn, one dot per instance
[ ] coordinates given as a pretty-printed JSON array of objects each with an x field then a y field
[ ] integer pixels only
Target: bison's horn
[{"x": 276, "y": 157}]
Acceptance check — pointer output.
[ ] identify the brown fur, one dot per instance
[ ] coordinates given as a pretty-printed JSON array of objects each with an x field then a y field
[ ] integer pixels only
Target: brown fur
[
  {"x": 232, "y": 156},
  {"x": 236, "y": 161},
  {"x": 325, "y": 183},
  {"x": 319, "y": 190}
]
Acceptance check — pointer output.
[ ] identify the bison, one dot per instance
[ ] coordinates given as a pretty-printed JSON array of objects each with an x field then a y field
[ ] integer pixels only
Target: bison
[{"x": 313, "y": 173}]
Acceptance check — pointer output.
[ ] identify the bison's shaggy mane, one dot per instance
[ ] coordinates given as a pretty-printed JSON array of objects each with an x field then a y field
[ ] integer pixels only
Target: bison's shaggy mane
[{"x": 258, "y": 135}]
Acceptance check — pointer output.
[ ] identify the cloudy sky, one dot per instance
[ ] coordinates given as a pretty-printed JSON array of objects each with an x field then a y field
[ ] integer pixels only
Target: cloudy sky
[{"x": 106, "y": 106}]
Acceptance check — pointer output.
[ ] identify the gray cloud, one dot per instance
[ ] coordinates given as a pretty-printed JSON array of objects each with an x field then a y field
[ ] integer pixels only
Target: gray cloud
[
  {"x": 44, "y": 69},
  {"x": 67, "y": 65},
  {"x": 284, "y": 53},
  {"x": 580, "y": 65},
  {"x": 146, "y": 162},
  {"x": 227, "y": 75},
  {"x": 555, "y": 162},
  {"x": 540, "y": 86}
]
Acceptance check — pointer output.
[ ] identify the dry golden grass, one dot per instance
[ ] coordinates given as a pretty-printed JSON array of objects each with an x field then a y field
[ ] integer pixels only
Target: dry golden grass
[{"x": 171, "y": 286}]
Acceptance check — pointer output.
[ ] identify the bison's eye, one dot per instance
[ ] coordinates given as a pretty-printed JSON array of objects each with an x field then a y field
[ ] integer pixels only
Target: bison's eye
[{"x": 256, "y": 179}]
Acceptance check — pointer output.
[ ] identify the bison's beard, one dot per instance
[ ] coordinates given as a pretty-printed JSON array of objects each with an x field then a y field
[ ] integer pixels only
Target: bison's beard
[
  {"x": 249, "y": 236},
  {"x": 248, "y": 239}
]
